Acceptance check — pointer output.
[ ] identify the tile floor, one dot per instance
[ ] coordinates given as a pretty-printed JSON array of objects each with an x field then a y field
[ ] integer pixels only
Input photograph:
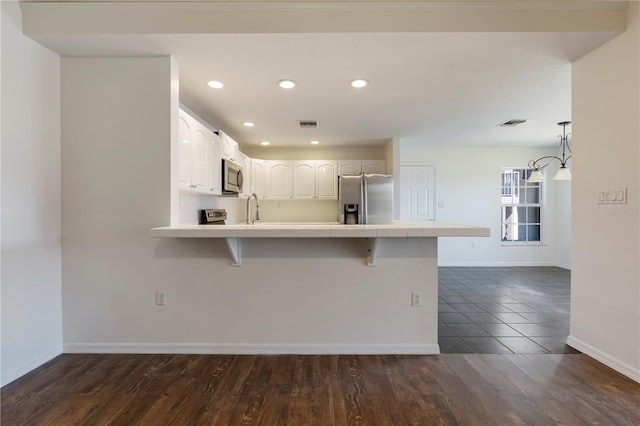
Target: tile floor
[{"x": 503, "y": 310}]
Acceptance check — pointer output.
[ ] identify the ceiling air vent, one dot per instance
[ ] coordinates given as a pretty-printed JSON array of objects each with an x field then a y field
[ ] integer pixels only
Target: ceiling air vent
[
  {"x": 512, "y": 123},
  {"x": 308, "y": 124}
]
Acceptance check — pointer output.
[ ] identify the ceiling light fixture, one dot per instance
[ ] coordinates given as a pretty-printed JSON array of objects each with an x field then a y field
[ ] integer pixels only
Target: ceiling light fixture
[
  {"x": 215, "y": 84},
  {"x": 265, "y": 143},
  {"x": 248, "y": 124},
  {"x": 563, "y": 172},
  {"x": 287, "y": 84},
  {"x": 359, "y": 82},
  {"x": 314, "y": 142},
  {"x": 515, "y": 122}
]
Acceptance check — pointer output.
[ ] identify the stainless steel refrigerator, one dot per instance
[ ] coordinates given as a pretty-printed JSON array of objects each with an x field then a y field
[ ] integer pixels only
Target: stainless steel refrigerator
[{"x": 365, "y": 199}]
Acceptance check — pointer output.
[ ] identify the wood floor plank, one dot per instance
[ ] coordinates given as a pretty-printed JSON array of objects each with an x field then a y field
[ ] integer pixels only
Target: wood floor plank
[
  {"x": 457, "y": 389},
  {"x": 562, "y": 388},
  {"x": 420, "y": 396},
  {"x": 464, "y": 405},
  {"x": 226, "y": 388},
  {"x": 536, "y": 393},
  {"x": 499, "y": 409}
]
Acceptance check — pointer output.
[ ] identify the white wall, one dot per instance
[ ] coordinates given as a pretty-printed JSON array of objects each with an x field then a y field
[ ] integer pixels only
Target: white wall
[
  {"x": 605, "y": 281},
  {"x": 468, "y": 183},
  {"x": 31, "y": 251},
  {"x": 116, "y": 133}
]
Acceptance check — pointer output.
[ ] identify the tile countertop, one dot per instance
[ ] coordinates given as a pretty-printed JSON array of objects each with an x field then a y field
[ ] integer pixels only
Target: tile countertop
[{"x": 398, "y": 229}]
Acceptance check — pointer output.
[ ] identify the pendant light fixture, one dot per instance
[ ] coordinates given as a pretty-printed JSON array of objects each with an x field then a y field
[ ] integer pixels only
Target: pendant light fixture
[{"x": 563, "y": 172}]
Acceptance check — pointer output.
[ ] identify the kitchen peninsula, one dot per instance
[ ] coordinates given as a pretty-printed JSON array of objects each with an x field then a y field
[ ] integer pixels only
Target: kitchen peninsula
[{"x": 316, "y": 294}]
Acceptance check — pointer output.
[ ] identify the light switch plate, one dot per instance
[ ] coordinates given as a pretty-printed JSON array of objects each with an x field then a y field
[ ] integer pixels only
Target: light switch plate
[{"x": 612, "y": 196}]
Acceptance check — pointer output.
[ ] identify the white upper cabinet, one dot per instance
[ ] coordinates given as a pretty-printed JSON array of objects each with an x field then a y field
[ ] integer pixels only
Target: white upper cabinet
[
  {"x": 215, "y": 164},
  {"x": 279, "y": 179},
  {"x": 327, "y": 180},
  {"x": 315, "y": 179},
  {"x": 199, "y": 173},
  {"x": 258, "y": 181},
  {"x": 354, "y": 167},
  {"x": 230, "y": 148},
  {"x": 200, "y": 156},
  {"x": 245, "y": 162},
  {"x": 374, "y": 166},
  {"x": 349, "y": 167},
  {"x": 304, "y": 179},
  {"x": 185, "y": 149}
]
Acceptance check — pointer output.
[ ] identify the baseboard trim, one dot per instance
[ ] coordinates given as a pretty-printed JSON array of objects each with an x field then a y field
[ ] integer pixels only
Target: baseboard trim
[
  {"x": 608, "y": 360},
  {"x": 254, "y": 349},
  {"x": 10, "y": 376},
  {"x": 501, "y": 264}
]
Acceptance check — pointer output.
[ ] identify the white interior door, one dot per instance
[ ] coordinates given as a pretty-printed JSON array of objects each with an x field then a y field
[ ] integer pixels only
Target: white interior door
[{"x": 417, "y": 192}]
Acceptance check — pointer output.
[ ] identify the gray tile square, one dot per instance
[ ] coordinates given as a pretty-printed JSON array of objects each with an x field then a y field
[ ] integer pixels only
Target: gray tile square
[
  {"x": 542, "y": 330},
  {"x": 479, "y": 299},
  {"x": 546, "y": 317},
  {"x": 511, "y": 318},
  {"x": 468, "y": 330},
  {"x": 453, "y": 345},
  {"x": 556, "y": 345},
  {"x": 481, "y": 317},
  {"x": 454, "y": 299},
  {"x": 454, "y": 318},
  {"x": 493, "y": 307},
  {"x": 467, "y": 307},
  {"x": 522, "y": 345},
  {"x": 486, "y": 345},
  {"x": 445, "y": 331},
  {"x": 445, "y": 307},
  {"x": 500, "y": 330},
  {"x": 519, "y": 307}
]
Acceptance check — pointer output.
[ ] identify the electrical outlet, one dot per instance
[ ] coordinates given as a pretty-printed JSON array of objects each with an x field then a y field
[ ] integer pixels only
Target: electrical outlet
[
  {"x": 161, "y": 297},
  {"x": 416, "y": 299}
]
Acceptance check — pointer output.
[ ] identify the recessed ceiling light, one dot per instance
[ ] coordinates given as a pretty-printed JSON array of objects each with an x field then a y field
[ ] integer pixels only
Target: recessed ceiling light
[
  {"x": 248, "y": 124},
  {"x": 215, "y": 84},
  {"x": 314, "y": 142},
  {"x": 287, "y": 84},
  {"x": 359, "y": 82},
  {"x": 265, "y": 143}
]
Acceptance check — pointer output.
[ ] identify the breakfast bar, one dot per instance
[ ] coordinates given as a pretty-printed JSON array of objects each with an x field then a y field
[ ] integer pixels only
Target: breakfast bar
[
  {"x": 307, "y": 284},
  {"x": 233, "y": 234}
]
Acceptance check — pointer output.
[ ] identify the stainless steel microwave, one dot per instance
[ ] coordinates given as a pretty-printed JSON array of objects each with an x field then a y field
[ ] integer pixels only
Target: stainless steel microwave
[{"x": 231, "y": 177}]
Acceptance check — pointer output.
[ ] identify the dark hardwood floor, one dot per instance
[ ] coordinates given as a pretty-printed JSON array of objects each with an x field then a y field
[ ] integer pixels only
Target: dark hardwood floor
[{"x": 465, "y": 389}]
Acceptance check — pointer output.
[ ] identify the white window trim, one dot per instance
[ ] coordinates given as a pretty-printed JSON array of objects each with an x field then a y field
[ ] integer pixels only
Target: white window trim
[{"x": 543, "y": 215}]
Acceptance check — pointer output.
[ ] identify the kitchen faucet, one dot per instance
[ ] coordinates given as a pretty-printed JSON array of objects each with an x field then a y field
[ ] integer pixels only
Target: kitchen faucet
[{"x": 249, "y": 221}]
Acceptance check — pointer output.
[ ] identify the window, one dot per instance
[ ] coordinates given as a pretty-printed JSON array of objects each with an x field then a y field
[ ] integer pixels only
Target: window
[{"x": 521, "y": 206}]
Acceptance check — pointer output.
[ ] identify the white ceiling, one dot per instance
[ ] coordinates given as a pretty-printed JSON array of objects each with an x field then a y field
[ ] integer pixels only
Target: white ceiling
[{"x": 427, "y": 88}]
